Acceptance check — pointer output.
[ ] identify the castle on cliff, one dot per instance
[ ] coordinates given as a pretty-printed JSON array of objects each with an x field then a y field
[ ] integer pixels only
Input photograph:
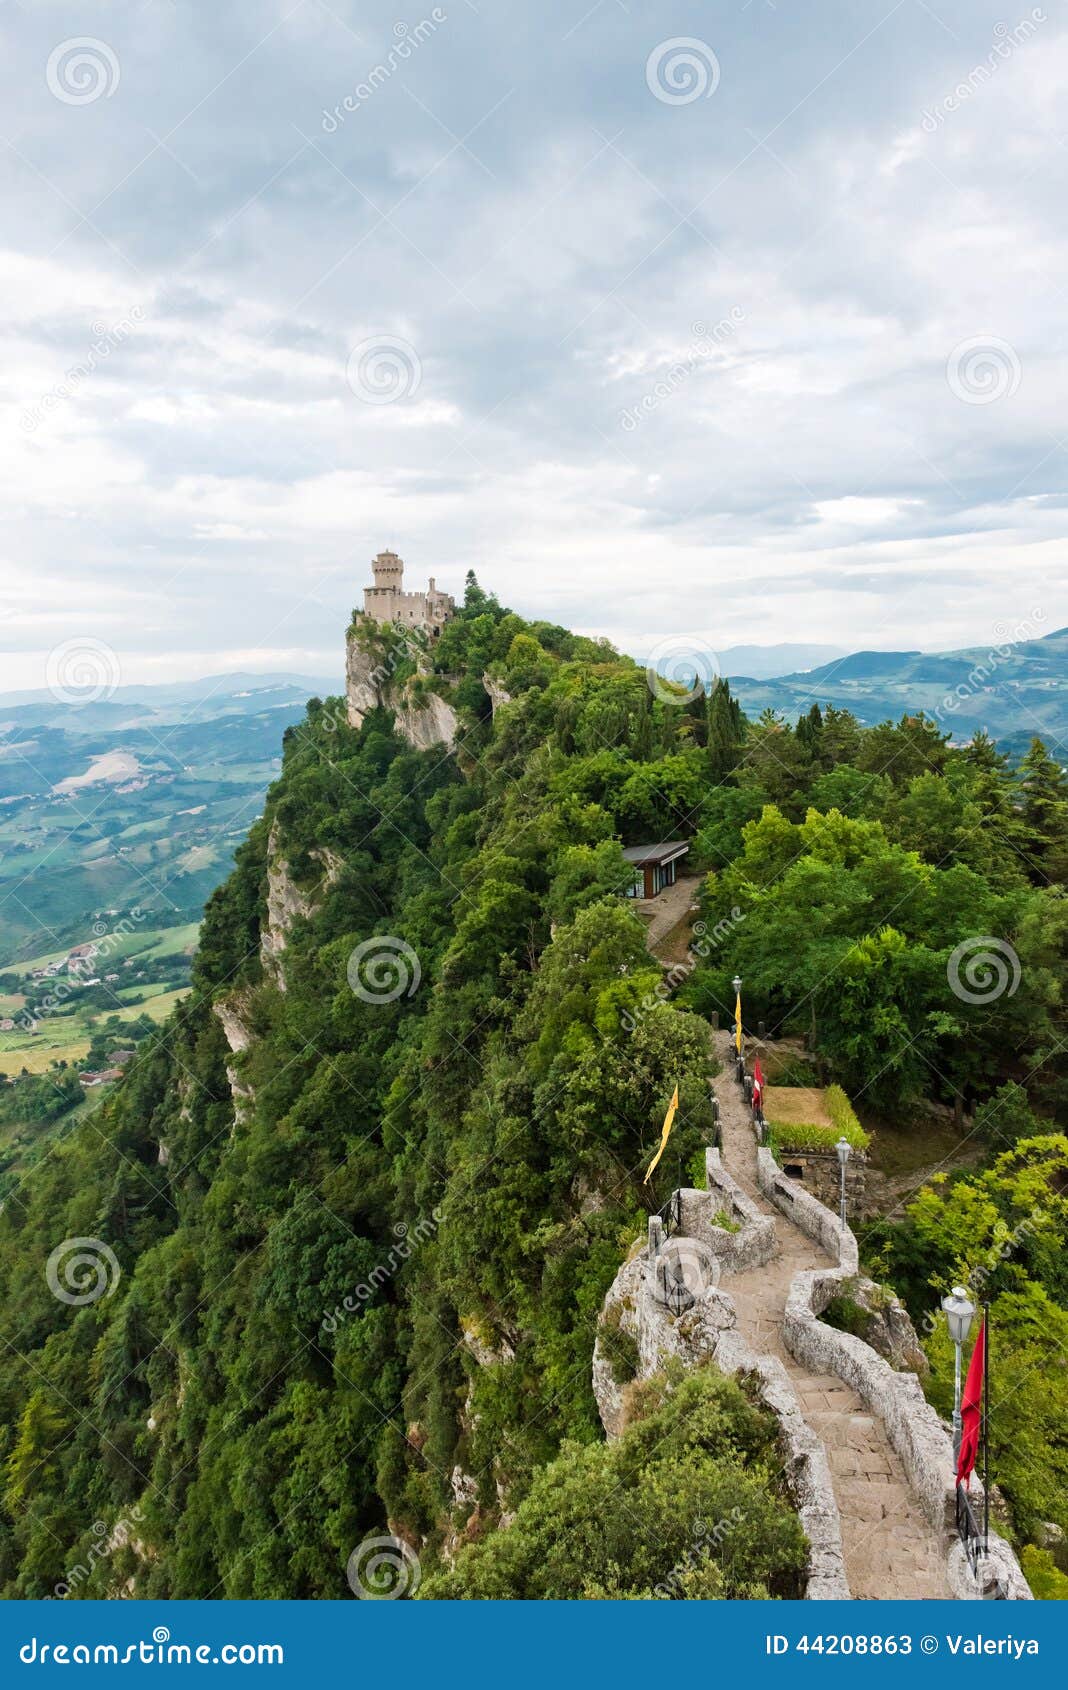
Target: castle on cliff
[{"x": 387, "y": 601}]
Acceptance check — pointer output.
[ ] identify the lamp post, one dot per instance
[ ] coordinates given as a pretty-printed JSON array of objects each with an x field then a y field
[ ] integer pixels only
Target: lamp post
[
  {"x": 959, "y": 1311},
  {"x": 845, "y": 1150}
]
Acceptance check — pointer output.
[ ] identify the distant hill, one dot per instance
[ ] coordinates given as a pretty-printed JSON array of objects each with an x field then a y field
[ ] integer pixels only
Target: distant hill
[
  {"x": 1013, "y": 692},
  {"x": 172, "y": 701},
  {"x": 138, "y": 799},
  {"x": 763, "y": 662}
]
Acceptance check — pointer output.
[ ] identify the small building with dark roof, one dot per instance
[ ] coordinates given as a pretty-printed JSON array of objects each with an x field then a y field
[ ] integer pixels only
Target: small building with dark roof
[{"x": 655, "y": 866}]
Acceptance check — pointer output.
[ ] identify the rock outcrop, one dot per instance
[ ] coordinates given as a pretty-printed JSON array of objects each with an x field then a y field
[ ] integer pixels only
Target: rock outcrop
[
  {"x": 286, "y": 903},
  {"x": 495, "y": 692},
  {"x": 637, "y": 1334},
  {"x": 422, "y": 716},
  {"x": 426, "y": 721},
  {"x": 232, "y": 1014}
]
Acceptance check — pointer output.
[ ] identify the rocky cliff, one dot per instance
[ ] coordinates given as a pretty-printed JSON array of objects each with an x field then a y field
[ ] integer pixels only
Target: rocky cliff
[{"x": 378, "y": 675}]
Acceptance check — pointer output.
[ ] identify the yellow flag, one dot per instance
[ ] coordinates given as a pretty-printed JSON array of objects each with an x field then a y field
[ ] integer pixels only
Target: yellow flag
[
  {"x": 738, "y": 1023},
  {"x": 669, "y": 1120}
]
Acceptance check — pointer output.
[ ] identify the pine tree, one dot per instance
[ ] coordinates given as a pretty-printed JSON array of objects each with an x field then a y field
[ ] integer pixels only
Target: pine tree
[
  {"x": 1045, "y": 813},
  {"x": 810, "y": 733},
  {"x": 724, "y": 732}
]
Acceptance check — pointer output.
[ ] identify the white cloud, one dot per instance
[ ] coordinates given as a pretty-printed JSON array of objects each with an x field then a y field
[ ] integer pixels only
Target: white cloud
[{"x": 211, "y": 485}]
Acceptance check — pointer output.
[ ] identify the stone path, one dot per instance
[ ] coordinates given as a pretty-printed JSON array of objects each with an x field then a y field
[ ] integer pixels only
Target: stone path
[{"x": 891, "y": 1550}]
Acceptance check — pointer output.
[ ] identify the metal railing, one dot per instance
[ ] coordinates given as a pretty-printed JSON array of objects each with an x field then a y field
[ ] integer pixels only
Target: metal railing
[
  {"x": 968, "y": 1531},
  {"x": 677, "y": 1294},
  {"x": 671, "y": 1213}
]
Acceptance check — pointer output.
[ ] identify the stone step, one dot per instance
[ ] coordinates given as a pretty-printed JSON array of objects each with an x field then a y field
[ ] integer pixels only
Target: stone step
[{"x": 890, "y": 1548}]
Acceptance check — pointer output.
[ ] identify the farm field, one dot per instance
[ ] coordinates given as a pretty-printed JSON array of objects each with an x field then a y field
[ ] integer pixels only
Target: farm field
[
  {"x": 66, "y": 1035},
  {"x": 138, "y": 801}
]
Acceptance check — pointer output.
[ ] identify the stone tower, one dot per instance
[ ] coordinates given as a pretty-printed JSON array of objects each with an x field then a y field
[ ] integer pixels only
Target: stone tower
[
  {"x": 387, "y": 601},
  {"x": 388, "y": 570}
]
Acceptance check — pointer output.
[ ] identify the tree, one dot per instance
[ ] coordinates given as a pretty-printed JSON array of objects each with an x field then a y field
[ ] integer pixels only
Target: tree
[
  {"x": 725, "y": 732},
  {"x": 1045, "y": 814}
]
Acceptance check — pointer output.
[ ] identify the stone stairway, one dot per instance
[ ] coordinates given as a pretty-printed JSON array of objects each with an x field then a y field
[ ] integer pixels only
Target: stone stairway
[{"x": 891, "y": 1550}]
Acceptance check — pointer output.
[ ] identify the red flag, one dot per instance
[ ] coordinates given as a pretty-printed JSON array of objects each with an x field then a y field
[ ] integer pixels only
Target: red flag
[
  {"x": 758, "y": 1081},
  {"x": 971, "y": 1411}
]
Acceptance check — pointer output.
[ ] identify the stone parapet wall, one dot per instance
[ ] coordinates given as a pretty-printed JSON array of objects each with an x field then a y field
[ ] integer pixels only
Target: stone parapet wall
[
  {"x": 752, "y": 1244},
  {"x": 807, "y": 1212},
  {"x": 913, "y": 1427},
  {"x": 821, "y": 1174},
  {"x": 706, "y": 1333},
  {"x": 807, "y": 1470}
]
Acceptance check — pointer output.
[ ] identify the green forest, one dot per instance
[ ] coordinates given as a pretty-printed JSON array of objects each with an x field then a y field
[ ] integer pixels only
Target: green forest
[{"x": 364, "y": 1301}]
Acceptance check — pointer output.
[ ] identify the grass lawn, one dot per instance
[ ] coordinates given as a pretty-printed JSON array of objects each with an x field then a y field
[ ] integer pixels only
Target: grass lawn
[
  {"x": 170, "y": 940},
  {"x": 796, "y": 1106},
  {"x": 66, "y": 1037}
]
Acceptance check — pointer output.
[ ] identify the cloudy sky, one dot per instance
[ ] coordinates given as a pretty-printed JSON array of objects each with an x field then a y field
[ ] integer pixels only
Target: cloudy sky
[{"x": 742, "y": 320}]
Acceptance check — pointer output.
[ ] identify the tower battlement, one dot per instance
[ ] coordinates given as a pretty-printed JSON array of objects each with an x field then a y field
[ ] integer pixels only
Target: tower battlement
[{"x": 387, "y": 601}]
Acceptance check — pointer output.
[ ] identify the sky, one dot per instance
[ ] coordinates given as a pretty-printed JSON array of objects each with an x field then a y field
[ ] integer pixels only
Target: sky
[{"x": 728, "y": 323}]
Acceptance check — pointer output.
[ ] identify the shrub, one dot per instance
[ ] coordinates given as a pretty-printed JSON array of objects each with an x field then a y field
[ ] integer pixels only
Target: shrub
[
  {"x": 1040, "y": 1570},
  {"x": 687, "y": 1503},
  {"x": 844, "y": 1117}
]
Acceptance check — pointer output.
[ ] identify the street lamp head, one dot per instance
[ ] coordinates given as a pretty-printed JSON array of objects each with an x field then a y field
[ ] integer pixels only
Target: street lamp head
[
  {"x": 959, "y": 1311},
  {"x": 844, "y": 1149},
  {"x": 737, "y": 983}
]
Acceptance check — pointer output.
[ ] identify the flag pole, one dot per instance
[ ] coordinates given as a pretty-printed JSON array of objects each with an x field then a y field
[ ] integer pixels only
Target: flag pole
[{"x": 986, "y": 1428}]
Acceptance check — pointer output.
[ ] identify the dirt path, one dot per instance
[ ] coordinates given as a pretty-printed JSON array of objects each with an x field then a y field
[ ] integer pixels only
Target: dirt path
[
  {"x": 891, "y": 1551},
  {"x": 667, "y": 909}
]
